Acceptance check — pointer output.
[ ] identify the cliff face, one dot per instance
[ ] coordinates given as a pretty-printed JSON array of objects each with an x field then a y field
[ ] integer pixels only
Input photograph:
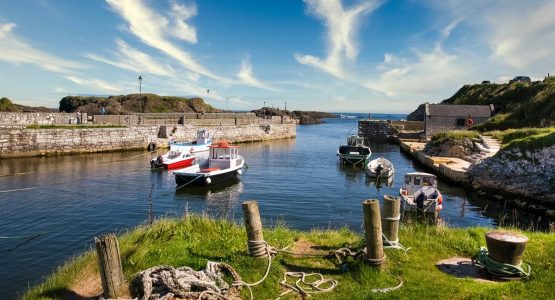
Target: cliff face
[
  {"x": 135, "y": 103},
  {"x": 524, "y": 173},
  {"x": 417, "y": 115}
]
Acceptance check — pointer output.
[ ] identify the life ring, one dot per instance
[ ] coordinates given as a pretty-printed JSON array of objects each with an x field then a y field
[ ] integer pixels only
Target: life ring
[{"x": 469, "y": 122}]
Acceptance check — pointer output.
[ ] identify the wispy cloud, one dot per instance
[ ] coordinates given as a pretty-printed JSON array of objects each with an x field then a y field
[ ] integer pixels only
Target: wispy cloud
[
  {"x": 247, "y": 76},
  {"x": 129, "y": 58},
  {"x": 341, "y": 31},
  {"x": 97, "y": 85},
  {"x": 15, "y": 50},
  {"x": 154, "y": 30}
]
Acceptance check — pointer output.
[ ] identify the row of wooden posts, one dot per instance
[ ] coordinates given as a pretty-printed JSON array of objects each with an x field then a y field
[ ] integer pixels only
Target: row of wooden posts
[{"x": 109, "y": 258}]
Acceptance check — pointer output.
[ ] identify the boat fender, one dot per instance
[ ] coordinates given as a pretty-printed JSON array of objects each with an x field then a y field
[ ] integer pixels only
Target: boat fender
[
  {"x": 208, "y": 180},
  {"x": 404, "y": 192},
  {"x": 439, "y": 199},
  {"x": 239, "y": 172}
]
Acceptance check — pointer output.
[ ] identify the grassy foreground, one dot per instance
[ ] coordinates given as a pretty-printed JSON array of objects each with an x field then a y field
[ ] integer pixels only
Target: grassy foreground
[{"x": 193, "y": 240}]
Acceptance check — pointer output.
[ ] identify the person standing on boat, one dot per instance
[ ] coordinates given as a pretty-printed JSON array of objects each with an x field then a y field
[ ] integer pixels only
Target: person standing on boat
[{"x": 78, "y": 117}]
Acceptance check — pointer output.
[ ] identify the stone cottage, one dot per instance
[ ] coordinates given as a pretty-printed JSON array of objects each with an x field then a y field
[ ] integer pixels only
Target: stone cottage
[{"x": 444, "y": 117}]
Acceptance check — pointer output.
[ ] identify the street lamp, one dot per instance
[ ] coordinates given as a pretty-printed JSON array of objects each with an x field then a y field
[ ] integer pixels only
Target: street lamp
[
  {"x": 140, "y": 84},
  {"x": 285, "y": 105}
]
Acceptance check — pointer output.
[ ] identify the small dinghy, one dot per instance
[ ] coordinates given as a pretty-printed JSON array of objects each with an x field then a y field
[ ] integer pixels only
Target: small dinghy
[
  {"x": 354, "y": 152},
  {"x": 379, "y": 168}
]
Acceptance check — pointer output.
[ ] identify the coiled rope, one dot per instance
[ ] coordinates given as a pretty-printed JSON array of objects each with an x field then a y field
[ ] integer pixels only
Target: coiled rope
[{"x": 499, "y": 269}]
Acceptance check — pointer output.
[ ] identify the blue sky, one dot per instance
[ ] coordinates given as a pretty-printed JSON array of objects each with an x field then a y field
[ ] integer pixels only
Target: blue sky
[{"x": 330, "y": 55}]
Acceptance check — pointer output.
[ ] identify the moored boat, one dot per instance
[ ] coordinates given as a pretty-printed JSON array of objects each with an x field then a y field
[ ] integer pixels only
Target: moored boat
[
  {"x": 183, "y": 155},
  {"x": 379, "y": 168},
  {"x": 224, "y": 163},
  {"x": 354, "y": 152},
  {"x": 420, "y": 193}
]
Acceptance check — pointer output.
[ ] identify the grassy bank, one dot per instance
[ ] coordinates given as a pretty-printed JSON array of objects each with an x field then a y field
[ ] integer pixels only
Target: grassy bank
[
  {"x": 194, "y": 240},
  {"x": 526, "y": 138},
  {"x": 454, "y": 135}
]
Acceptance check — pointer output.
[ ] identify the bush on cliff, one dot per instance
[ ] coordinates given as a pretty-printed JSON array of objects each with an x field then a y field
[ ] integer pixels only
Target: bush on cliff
[{"x": 194, "y": 240}]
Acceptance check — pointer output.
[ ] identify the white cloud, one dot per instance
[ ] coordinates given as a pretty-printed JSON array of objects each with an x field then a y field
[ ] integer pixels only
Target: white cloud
[
  {"x": 341, "y": 26},
  {"x": 15, "y": 50},
  {"x": 132, "y": 59},
  {"x": 97, "y": 85},
  {"x": 247, "y": 76},
  {"x": 153, "y": 29},
  {"x": 182, "y": 30},
  {"x": 340, "y": 99}
]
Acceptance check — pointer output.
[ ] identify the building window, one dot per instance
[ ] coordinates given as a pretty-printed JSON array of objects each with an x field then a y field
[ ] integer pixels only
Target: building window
[{"x": 461, "y": 122}]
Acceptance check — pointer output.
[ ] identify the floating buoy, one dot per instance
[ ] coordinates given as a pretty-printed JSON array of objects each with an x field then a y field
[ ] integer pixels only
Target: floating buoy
[
  {"x": 239, "y": 172},
  {"x": 208, "y": 180}
]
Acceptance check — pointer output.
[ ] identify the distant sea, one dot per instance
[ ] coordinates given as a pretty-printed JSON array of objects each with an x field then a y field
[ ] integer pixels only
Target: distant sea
[{"x": 373, "y": 116}]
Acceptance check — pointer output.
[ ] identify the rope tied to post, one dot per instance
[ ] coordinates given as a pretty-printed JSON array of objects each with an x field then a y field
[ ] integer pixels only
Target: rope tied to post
[
  {"x": 361, "y": 255},
  {"x": 499, "y": 269}
]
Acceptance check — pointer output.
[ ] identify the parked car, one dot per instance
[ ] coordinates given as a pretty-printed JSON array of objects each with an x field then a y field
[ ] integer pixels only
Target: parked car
[{"x": 520, "y": 79}]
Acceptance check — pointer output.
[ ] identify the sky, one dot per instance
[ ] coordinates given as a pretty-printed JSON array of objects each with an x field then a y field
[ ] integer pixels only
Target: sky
[{"x": 373, "y": 56}]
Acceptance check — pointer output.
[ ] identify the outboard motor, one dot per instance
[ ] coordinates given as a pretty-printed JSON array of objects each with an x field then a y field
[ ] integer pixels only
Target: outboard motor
[
  {"x": 157, "y": 163},
  {"x": 420, "y": 201}
]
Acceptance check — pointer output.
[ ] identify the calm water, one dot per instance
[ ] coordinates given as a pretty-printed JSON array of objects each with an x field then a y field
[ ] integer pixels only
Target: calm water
[{"x": 66, "y": 201}]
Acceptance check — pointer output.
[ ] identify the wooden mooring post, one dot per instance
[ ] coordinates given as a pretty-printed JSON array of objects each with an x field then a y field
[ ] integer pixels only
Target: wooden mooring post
[
  {"x": 390, "y": 219},
  {"x": 253, "y": 225},
  {"x": 373, "y": 232},
  {"x": 111, "y": 273}
]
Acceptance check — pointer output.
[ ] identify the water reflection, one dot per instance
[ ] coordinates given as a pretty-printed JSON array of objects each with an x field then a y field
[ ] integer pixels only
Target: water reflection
[{"x": 220, "y": 200}]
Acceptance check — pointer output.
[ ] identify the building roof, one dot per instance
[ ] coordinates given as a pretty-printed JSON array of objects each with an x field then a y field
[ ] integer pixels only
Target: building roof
[{"x": 452, "y": 110}]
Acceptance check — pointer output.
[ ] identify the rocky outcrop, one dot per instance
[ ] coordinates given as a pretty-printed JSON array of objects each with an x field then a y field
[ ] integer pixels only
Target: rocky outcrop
[
  {"x": 418, "y": 114},
  {"x": 462, "y": 148},
  {"x": 522, "y": 173},
  {"x": 135, "y": 103},
  {"x": 304, "y": 117}
]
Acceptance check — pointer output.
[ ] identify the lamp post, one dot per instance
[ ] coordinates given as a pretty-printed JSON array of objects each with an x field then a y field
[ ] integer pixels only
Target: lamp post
[
  {"x": 140, "y": 84},
  {"x": 285, "y": 105}
]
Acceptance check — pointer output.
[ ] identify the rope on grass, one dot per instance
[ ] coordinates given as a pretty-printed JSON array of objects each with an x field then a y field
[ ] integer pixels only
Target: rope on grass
[
  {"x": 499, "y": 269},
  {"x": 310, "y": 287}
]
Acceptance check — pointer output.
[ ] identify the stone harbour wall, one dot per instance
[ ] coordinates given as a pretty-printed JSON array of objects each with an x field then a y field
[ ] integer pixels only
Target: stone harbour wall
[
  {"x": 19, "y": 141},
  {"x": 42, "y": 118}
]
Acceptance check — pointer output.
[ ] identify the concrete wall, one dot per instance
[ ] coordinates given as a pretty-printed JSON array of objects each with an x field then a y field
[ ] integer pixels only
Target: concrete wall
[
  {"x": 409, "y": 125},
  {"x": 15, "y": 118},
  {"x": 207, "y": 119},
  {"x": 435, "y": 124},
  {"x": 239, "y": 133}
]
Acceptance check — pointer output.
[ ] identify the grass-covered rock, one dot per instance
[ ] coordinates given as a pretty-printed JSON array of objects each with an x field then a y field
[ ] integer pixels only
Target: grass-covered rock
[
  {"x": 194, "y": 240},
  {"x": 455, "y": 143}
]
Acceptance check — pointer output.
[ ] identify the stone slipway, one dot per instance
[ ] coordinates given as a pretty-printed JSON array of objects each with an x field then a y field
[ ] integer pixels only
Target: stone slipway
[{"x": 450, "y": 168}]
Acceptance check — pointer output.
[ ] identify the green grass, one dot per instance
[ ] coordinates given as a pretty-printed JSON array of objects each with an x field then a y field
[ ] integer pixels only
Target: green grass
[
  {"x": 455, "y": 135},
  {"x": 194, "y": 240},
  {"x": 36, "y": 126},
  {"x": 526, "y": 138}
]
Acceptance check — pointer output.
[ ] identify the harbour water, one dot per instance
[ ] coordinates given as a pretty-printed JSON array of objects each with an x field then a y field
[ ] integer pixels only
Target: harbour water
[{"x": 52, "y": 207}]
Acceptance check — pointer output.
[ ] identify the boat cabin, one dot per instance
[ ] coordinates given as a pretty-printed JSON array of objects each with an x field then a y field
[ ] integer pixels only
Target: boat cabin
[
  {"x": 416, "y": 180},
  {"x": 203, "y": 137},
  {"x": 223, "y": 156},
  {"x": 355, "y": 140}
]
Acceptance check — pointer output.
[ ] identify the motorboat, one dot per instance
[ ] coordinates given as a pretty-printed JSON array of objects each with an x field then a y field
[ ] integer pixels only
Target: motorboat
[
  {"x": 420, "y": 193},
  {"x": 224, "y": 163},
  {"x": 380, "y": 168},
  {"x": 183, "y": 155},
  {"x": 354, "y": 152}
]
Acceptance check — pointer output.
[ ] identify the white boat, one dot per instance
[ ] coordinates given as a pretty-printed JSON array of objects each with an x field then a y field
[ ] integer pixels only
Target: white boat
[
  {"x": 224, "y": 163},
  {"x": 183, "y": 155},
  {"x": 420, "y": 193},
  {"x": 380, "y": 168},
  {"x": 354, "y": 152}
]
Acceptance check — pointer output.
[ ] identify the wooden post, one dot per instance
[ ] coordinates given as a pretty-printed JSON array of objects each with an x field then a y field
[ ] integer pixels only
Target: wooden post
[
  {"x": 390, "y": 220},
  {"x": 373, "y": 232},
  {"x": 111, "y": 273},
  {"x": 253, "y": 224}
]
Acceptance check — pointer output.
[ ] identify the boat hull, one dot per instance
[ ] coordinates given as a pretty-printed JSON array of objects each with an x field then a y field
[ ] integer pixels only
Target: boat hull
[
  {"x": 192, "y": 180},
  {"x": 353, "y": 159},
  {"x": 179, "y": 164}
]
